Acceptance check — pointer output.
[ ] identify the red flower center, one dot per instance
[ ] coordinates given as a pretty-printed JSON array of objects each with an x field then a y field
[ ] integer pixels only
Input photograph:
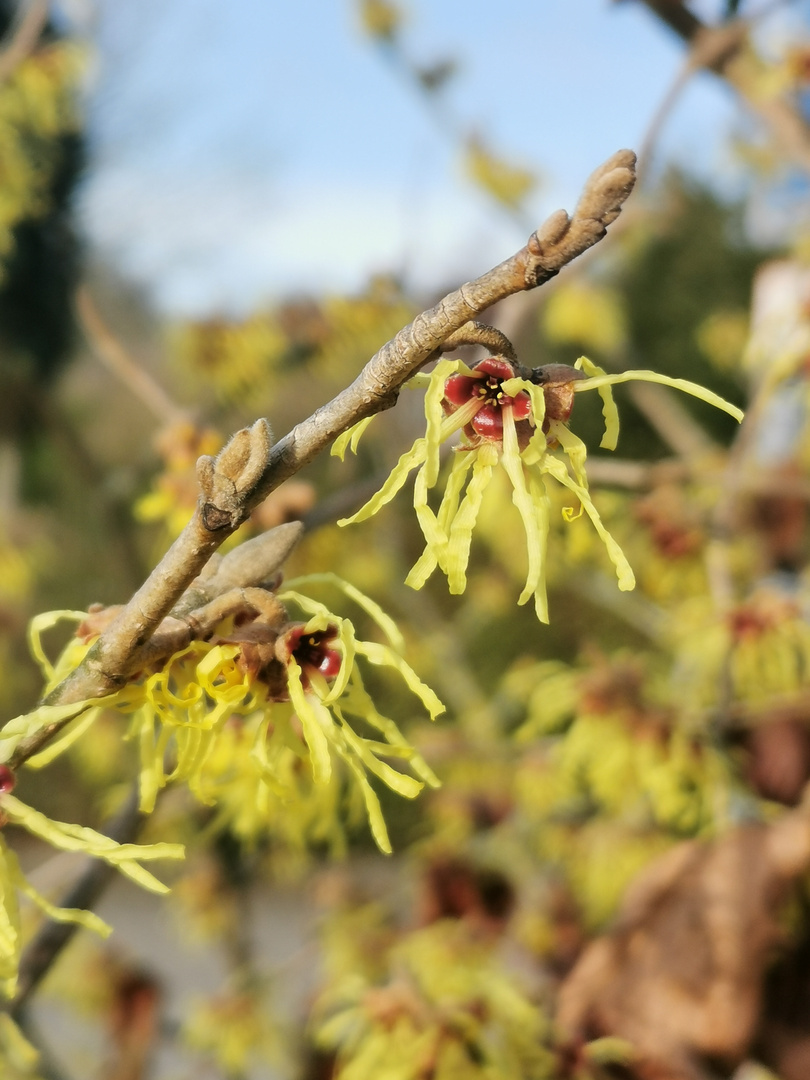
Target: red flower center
[
  {"x": 485, "y": 385},
  {"x": 7, "y": 780},
  {"x": 313, "y": 653}
]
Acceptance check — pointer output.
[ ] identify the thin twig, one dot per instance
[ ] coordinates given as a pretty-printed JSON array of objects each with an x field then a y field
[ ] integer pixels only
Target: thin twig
[
  {"x": 29, "y": 22},
  {"x": 735, "y": 481},
  {"x": 253, "y": 563},
  {"x": 704, "y": 52},
  {"x": 632, "y": 609},
  {"x": 489, "y": 337},
  {"x": 672, "y": 421},
  {"x": 720, "y": 49},
  {"x": 636, "y": 475},
  {"x": 109, "y": 350},
  {"x": 249, "y": 467}
]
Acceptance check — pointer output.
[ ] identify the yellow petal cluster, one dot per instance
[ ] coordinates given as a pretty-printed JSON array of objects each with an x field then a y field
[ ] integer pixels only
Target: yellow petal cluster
[
  {"x": 552, "y": 453},
  {"x": 201, "y": 719}
]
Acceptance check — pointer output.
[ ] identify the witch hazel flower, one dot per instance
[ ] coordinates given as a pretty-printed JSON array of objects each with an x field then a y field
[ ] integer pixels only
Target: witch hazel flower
[
  {"x": 314, "y": 651},
  {"x": 507, "y": 417},
  {"x": 295, "y": 687},
  {"x": 484, "y": 387},
  {"x": 303, "y": 682}
]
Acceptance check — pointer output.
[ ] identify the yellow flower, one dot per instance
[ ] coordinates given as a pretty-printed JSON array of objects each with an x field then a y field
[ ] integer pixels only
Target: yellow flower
[
  {"x": 438, "y": 1005},
  {"x": 516, "y": 420},
  {"x": 296, "y": 687},
  {"x": 234, "y": 1030},
  {"x": 66, "y": 837}
]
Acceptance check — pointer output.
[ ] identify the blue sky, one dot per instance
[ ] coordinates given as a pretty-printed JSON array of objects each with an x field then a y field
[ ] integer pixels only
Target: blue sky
[{"x": 244, "y": 150}]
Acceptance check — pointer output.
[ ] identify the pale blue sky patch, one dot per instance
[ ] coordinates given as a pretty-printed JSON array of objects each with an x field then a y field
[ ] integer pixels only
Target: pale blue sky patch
[{"x": 245, "y": 150}]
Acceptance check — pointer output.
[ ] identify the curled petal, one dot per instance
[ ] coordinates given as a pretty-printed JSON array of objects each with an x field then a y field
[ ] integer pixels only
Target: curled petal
[
  {"x": 409, "y": 461},
  {"x": 385, "y": 657},
  {"x": 457, "y": 553},
  {"x": 624, "y": 573},
  {"x": 609, "y": 411},
  {"x": 70, "y": 658},
  {"x": 67, "y": 837},
  {"x": 385, "y": 622},
  {"x": 314, "y": 719},
  {"x": 500, "y": 369},
  {"x": 70, "y": 734},
  {"x": 435, "y": 410},
  {"x": 533, "y": 521},
  {"x": 684, "y": 385},
  {"x": 350, "y": 438}
]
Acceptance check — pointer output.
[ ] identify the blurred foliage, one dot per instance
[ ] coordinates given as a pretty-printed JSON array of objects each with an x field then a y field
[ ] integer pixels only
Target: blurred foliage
[
  {"x": 506, "y": 183},
  {"x": 244, "y": 364},
  {"x": 41, "y": 158},
  {"x": 676, "y": 297},
  {"x": 693, "y": 262}
]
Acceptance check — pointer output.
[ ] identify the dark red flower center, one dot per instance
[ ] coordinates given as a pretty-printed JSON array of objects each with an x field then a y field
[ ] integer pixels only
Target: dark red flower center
[
  {"x": 485, "y": 386},
  {"x": 313, "y": 653}
]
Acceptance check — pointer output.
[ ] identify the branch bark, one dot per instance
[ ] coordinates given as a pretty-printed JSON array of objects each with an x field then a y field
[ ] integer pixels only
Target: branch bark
[
  {"x": 725, "y": 51},
  {"x": 250, "y": 467},
  {"x": 52, "y": 938}
]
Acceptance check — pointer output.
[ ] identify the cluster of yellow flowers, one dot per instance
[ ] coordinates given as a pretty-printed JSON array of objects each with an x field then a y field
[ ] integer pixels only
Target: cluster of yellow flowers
[
  {"x": 261, "y": 712},
  {"x": 266, "y": 722},
  {"x": 238, "y": 359},
  {"x": 434, "y": 1002}
]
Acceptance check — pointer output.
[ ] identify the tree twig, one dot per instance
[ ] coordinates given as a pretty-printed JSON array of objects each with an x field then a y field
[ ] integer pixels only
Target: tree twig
[
  {"x": 25, "y": 32},
  {"x": 672, "y": 421},
  {"x": 54, "y": 936},
  {"x": 116, "y": 359},
  {"x": 250, "y": 467},
  {"x": 721, "y": 49},
  {"x": 253, "y": 563},
  {"x": 707, "y": 49},
  {"x": 475, "y": 333}
]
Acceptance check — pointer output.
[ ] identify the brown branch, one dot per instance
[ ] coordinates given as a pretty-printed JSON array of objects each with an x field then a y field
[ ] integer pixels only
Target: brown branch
[
  {"x": 116, "y": 359},
  {"x": 724, "y": 51},
  {"x": 254, "y": 563},
  {"x": 249, "y": 467},
  {"x": 488, "y": 337},
  {"x": 556, "y": 243},
  {"x": 677, "y": 17},
  {"x": 41, "y": 952},
  {"x": 707, "y": 49}
]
